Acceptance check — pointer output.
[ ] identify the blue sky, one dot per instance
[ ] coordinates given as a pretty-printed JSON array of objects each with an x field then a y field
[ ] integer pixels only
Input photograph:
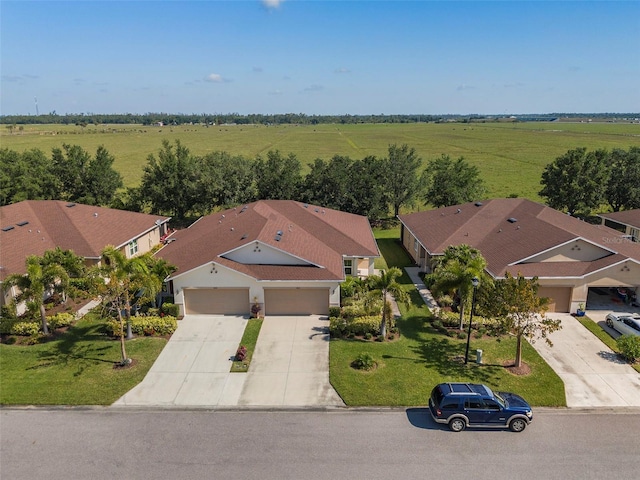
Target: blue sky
[{"x": 320, "y": 57}]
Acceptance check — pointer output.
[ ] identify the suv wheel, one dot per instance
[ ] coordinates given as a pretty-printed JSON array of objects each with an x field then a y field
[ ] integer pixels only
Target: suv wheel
[
  {"x": 609, "y": 323},
  {"x": 457, "y": 424},
  {"x": 517, "y": 425}
]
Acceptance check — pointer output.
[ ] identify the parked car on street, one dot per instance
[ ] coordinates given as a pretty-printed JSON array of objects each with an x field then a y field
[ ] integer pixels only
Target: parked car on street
[
  {"x": 625, "y": 323},
  {"x": 461, "y": 405}
]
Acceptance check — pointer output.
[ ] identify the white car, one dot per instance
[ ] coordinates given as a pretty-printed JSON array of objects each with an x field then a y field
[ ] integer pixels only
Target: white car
[{"x": 625, "y": 323}]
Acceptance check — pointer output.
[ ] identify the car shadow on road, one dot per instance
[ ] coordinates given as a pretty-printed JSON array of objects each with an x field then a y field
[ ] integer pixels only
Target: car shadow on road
[{"x": 421, "y": 418}]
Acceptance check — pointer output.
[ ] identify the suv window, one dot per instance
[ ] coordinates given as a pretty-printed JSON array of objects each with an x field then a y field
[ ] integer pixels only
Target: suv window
[
  {"x": 449, "y": 405},
  {"x": 474, "y": 403}
]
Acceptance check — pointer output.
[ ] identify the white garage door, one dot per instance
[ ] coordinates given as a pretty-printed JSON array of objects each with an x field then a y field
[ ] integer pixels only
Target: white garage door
[
  {"x": 296, "y": 301},
  {"x": 216, "y": 301}
]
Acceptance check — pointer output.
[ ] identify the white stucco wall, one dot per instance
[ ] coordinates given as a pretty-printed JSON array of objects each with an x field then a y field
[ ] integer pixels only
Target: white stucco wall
[
  {"x": 577, "y": 251},
  {"x": 209, "y": 276}
]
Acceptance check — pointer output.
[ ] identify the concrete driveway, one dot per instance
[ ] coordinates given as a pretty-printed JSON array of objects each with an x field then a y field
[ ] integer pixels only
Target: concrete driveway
[
  {"x": 593, "y": 375},
  {"x": 290, "y": 366}
]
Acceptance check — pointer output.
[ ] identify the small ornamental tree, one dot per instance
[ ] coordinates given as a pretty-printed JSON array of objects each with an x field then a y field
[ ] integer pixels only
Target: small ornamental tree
[
  {"x": 384, "y": 285},
  {"x": 516, "y": 304}
]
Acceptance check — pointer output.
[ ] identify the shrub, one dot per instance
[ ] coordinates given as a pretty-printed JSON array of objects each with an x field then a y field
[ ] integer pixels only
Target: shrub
[
  {"x": 170, "y": 309},
  {"x": 368, "y": 336},
  {"x": 60, "y": 320},
  {"x": 26, "y": 329},
  {"x": 445, "y": 301},
  {"x": 153, "y": 312},
  {"x": 461, "y": 335},
  {"x": 354, "y": 310},
  {"x": 363, "y": 325},
  {"x": 337, "y": 327},
  {"x": 145, "y": 326},
  {"x": 364, "y": 361},
  {"x": 334, "y": 312},
  {"x": 629, "y": 346},
  {"x": 449, "y": 319}
]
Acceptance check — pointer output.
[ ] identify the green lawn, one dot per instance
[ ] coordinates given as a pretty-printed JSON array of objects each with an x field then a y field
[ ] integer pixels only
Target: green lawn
[
  {"x": 77, "y": 369},
  {"x": 249, "y": 340},
  {"x": 409, "y": 367}
]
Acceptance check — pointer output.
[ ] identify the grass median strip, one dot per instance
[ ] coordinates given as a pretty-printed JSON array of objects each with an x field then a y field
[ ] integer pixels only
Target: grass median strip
[
  {"x": 604, "y": 337},
  {"x": 249, "y": 340}
]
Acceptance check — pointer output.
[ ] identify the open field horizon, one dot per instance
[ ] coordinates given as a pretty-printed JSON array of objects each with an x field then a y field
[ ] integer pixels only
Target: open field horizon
[{"x": 510, "y": 156}]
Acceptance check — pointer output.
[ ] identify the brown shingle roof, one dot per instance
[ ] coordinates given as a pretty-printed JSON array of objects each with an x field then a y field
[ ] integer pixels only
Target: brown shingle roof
[
  {"x": 626, "y": 217},
  {"x": 536, "y": 228},
  {"x": 318, "y": 236},
  {"x": 85, "y": 229}
]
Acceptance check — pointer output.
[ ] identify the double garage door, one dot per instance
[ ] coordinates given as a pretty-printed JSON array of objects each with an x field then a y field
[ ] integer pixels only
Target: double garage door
[
  {"x": 235, "y": 301},
  {"x": 296, "y": 301},
  {"x": 216, "y": 301}
]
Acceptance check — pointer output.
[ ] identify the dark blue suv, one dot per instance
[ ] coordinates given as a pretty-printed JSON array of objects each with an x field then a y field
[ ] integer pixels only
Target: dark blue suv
[{"x": 462, "y": 405}]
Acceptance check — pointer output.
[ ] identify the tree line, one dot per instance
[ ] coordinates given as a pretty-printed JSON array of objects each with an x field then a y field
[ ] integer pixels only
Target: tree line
[
  {"x": 581, "y": 181},
  {"x": 182, "y": 185}
]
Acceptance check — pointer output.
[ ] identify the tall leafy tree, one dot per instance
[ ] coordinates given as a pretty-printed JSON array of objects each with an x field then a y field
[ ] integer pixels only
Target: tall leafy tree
[
  {"x": 27, "y": 175},
  {"x": 38, "y": 281},
  {"x": 127, "y": 281},
  {"x": 384, "y": 285},
  {"x": 169, "y": 182},
  {"x": 328, "y": 183},
  {"x": 623, "y": 187},
  {"x": 515, "y": 302},
  {"x": 365, "y": 197},
  {"x": 85, "y": 179},
  {"x": 223, "y": 180},
  {"x": 576, "y": 181},
  {"x": 401, "y": 176},
  {"x": 447, "y": 182},
  {"x": 278, "y": 177},
  {"x": 455, "y": 272}
]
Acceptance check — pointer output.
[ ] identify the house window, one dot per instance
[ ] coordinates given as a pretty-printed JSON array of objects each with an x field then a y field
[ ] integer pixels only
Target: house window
[
  {"x": 133, "y": 248},
  {"x": 348, "y": 267},
  {"x": 635, "y": 234},
  {"x": 415, "y": 246}
]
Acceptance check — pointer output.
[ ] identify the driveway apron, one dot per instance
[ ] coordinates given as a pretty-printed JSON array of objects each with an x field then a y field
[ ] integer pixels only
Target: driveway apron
[
  {"x": 593, "y": 375},
  {"x": 193, "y": 368},
  {"x": 290, "y": 366}
]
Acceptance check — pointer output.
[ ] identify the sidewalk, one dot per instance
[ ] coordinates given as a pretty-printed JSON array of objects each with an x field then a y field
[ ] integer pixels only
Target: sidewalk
[{"x": 424, "y": 293}]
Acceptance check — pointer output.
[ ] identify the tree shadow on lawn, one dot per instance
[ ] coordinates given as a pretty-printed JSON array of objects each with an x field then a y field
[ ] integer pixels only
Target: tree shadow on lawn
[
  {"x": 80, "y": 346},
  {"x": 442, "y": 354}
]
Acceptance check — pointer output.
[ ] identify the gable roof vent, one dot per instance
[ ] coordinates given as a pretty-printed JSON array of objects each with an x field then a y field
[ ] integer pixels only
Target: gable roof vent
[
  {"x": 6, "y": 229},
  {"x": 23, "y": 223},
  {"x": 512, "y": 220}
]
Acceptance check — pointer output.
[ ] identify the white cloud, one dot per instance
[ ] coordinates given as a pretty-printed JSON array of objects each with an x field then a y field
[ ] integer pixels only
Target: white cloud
[
  {"x": 214, "y": 78},
  {"x": 271, "y": 4}
]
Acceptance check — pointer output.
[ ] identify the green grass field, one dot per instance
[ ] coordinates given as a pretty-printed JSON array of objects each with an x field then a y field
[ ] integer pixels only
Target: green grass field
[{"x": 511, "y": 157}]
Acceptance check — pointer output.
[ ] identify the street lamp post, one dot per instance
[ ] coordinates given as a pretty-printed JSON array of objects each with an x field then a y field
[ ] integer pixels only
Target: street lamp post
[{"x": 475, "y": 283}]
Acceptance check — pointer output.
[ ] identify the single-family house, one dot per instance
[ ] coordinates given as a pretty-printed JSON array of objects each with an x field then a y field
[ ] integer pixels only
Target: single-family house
[
  {"x": 283, "y": 256},
  {"x": 627, "y": 221},
  {"x": 32, "y": 227},
  {"x": 519, "y": 236}
]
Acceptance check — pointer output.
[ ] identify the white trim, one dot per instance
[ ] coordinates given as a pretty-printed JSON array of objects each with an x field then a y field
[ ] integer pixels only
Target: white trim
[{"x": 141, "y": 234}]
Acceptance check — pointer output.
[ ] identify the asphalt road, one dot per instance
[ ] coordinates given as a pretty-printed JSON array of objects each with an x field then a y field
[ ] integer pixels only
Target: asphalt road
[{"x": 345, "y": 444}]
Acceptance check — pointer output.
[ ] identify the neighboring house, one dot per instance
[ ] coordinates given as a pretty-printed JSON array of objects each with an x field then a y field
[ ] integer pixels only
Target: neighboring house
[
  {"x": 32, "y": 227},
  {"x": 284, "y": 256},
  {"x": 516, "y": 235},
  {"x": 627, "y": 221}
]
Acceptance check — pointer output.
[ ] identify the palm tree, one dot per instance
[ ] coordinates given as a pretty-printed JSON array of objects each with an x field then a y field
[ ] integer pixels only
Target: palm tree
[
  {"x": 383, "y": 285},
  {"x": 36, "y": 282},
  {"x": 126, "y": 281},
  {"x": 455, "y": 272}
]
